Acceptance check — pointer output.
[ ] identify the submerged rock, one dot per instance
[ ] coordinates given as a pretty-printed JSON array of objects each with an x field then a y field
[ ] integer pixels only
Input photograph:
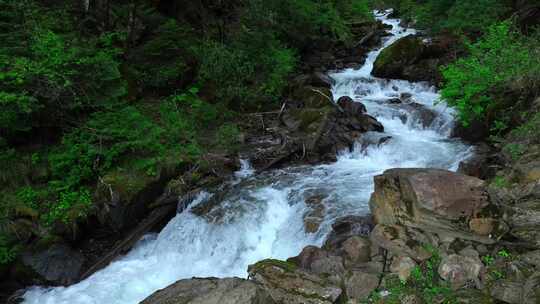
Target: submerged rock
[{"x": 211, "y": 291}]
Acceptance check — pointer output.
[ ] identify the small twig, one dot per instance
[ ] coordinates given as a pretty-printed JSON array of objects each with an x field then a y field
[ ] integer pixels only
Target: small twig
[{"x": 317, "y": 91}]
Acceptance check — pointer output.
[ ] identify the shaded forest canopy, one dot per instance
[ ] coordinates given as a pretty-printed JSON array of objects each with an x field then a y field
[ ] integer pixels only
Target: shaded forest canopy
[{"x": 103, "y": 87}]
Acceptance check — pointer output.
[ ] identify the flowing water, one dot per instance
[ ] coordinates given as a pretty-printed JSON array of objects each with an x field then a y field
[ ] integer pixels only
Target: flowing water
[{"x": 262, "y": 216}]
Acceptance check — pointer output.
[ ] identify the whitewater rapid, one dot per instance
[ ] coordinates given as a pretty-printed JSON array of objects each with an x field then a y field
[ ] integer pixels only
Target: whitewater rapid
[{"x": 262, "y": 216}]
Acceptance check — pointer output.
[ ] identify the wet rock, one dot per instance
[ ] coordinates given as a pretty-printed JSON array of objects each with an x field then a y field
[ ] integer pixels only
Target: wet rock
[
  {"x": 392, "y": 60},
  {"x": 49, "y": 263},
  {"x": 483, "y": 164},
  {"x": 475, "y": 132},
  {"x": 373, "y": 140},
  {"x": 394, "y": 101},
  {"x": 419, "y": 113},
  {"x": 458, "y": 269},
  {"x": 211, "y": 291},
  {"x": 346, "y": 227},
  {"x": 313, "y": 218},
  {"x": 286, "y": 283},
  {"x": 319, "y": 261},
  {"x": 406, "y": 97},
  {"x": 434, "y": 200},
  {"x": 359, "y": 285},
  {"x": 349, "y": 106},
  {"x": 308, "y": 255},
  {"x": 402, "y": 266}
]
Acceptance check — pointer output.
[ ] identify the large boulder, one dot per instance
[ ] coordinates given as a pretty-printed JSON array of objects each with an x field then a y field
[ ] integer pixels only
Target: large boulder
[
  {"x": 288, "y": 284},
  {"x": 415, "y": 59},
  {"x": 211, "y": 291},
  {"x": 346, "y": 227},
  {"x": 393, "y": 60},
  {"x": 318, "y": 129},
  {"x": 435, "y": 200},
  {"x": 348, "y": 105},
  {"x": 49, "y": 262}
]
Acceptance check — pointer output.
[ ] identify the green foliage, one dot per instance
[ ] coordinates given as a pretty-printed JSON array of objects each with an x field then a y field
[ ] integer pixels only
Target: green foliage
[
  {"x": 514, "y": 150},
  {"x": 251, "y": 70},
  {"x": 56, "y": 79},
  {"x": 7, "y": 251},
  {"x": 424, "y": 282},
  {"x": 98, "y": 145},
  {"x": 458, "y": 16},
  {"x": 70, "y": 206},
  {"x": 501, "y": 57},
  {"x": 488, "y": 260},
  {"x": 500, "y": 182},
  {"x": 529, "y": 131},
  {"x": 227, "y": 136},
  {"x": 474, "y": 16}
]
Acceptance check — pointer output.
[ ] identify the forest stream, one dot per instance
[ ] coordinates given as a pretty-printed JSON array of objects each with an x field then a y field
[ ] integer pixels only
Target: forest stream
[{"x": 262, "y": 215}]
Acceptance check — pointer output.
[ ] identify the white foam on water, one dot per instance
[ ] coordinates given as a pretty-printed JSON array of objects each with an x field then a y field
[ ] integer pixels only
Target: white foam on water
[{"x": 262, "y": 216}]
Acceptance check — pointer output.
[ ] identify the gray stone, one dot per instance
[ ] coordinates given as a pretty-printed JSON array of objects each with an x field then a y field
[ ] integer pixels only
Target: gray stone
[
  {"x": 360, "y": 285},
  {"x": 211, "y": 291},
  {"x": 403, "y": 267},
  {"x": 459, "y": 269},
  {"x": 289, "y": 284},
  {"x": 506, "y": 291}
]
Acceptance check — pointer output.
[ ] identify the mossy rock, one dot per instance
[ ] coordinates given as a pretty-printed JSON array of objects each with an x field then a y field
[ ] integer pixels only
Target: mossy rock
[
  {"x": 287, "y": 266},
  {"x": 124, "y": 194},
  {"x": 393, "y": 60},
  {"x": 313, "y": 97},
  {"x": 308, "y": 120},
  {"x": 127, "y": 183}
]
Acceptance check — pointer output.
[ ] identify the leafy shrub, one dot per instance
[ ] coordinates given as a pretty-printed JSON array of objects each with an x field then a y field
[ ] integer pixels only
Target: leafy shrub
[
  {"x": 98, "y": 145},
  {"x": 7, "y": 251},
  {"x": 474, "y": 16},
  {"x": 455, "y": 15},
  {"x": 423, "y": 282},
  {"x": 70, "y": 206},
  {"x": 251, "y": 70},
  {"x": 227, "y": 136},
  {"x": 502, "y": 56},
  {"x": 58, "y": 78},
  {"x": 529, "y": 131}
]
